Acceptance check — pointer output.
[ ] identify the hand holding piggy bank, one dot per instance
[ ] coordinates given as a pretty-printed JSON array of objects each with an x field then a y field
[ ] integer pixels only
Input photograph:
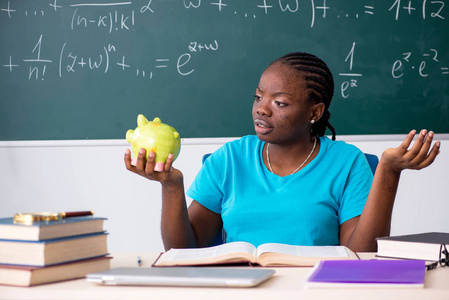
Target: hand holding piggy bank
[{"x": 154, "y": 136}]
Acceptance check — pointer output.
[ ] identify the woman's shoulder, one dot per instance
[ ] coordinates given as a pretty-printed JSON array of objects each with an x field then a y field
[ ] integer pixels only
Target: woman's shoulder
[
  {"x": 239, "y": 147},
  {"x": 244, "y": 143},
  {"x": 343, "y": 156},
  {"x": 339, "y": 147}
]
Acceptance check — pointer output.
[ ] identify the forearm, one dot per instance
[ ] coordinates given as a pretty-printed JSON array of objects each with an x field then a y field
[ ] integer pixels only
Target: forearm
[
  {"x": 375, "y": 220},
  {"x": 175, "y": 225}
]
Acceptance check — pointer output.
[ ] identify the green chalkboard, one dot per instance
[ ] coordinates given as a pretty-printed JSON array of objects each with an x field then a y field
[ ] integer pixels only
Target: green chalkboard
[{"x": 84, "y": 69}]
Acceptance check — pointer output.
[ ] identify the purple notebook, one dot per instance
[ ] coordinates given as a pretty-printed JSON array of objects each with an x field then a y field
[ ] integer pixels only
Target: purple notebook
[{"x": 370, "y": 271}]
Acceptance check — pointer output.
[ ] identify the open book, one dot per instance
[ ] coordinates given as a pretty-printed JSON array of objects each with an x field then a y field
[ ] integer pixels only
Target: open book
[{"x": 270, "y": 254}]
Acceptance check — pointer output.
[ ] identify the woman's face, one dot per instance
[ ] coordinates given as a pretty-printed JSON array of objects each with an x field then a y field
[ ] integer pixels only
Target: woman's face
[{"x": 281, "y": 112}]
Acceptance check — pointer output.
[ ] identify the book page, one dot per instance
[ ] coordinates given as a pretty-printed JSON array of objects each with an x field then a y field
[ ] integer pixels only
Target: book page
[
  {"x": 304, "y": 251},
  {"x": 209, "y": 252}
]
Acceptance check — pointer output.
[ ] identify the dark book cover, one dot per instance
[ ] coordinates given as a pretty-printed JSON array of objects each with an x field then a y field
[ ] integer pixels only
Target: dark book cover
[{"x": 427, "y": 237}]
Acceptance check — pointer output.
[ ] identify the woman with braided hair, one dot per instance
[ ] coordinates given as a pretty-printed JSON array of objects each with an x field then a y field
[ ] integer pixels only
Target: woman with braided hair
[{"x": 288, "y": 183}]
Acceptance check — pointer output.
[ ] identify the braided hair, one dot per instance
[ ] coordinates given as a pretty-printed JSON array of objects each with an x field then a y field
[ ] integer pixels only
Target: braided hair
[{"x": 320, "y": 80}]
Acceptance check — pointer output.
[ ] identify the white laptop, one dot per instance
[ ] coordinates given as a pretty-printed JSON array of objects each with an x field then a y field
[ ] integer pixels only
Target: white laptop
[{"x": 183, "y": 276}]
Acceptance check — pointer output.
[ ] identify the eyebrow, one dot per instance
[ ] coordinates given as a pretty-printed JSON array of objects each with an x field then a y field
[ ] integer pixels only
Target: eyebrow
[{"x": 276, "y": 93}]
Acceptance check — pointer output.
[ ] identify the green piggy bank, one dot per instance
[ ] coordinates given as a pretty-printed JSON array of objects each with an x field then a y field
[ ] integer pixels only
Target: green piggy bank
[{"x": 154, "y": 136}]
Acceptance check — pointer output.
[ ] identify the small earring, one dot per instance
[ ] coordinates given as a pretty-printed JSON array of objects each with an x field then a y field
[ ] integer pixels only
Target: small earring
[{"x": 312, "y": 121}]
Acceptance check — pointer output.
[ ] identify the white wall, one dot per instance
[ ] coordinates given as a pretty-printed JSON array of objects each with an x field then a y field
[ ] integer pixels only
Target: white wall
[{"x": 90, "y": 175}]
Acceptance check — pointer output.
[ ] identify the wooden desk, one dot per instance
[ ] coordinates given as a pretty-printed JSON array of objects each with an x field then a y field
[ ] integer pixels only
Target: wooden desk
[{"x": 287, "y": 283}]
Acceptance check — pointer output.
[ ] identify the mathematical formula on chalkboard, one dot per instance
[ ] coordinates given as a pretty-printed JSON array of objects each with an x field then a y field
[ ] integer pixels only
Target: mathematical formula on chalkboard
[
  {"x": 119, "y": 20},
  {"x": 121, "y": 16},
  {"x": 104, "y": 61},
  {"x": 370, "y": 45}
]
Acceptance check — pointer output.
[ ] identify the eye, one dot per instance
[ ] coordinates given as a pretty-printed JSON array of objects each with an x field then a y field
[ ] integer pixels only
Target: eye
[
  {"x": 257, "y": 97},
  {"x": 280, "y": 104}
]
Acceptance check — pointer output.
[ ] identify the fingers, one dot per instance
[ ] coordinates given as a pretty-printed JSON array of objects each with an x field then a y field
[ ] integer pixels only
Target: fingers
[
  {"x": 432, "y": 155},
  {"x": 136, "y": 165},
  {"x": 150, "y": 161},
  {"x": 421, "y": 146},
  {"x": 419, "y": 155},
  {"x": 407, "y": 141},
  {"x": 425, "y": 158},
  {"x": 148, "y": 167},
  {"x": 128, "y": 160},
  {"x": 141, "y": 161},
  {"x": 159, "y": 167},
  {"x": 168, "y": 163}
]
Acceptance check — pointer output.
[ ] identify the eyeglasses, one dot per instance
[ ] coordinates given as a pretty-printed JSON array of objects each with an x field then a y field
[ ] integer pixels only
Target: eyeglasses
[{"x": 443, "y": 260}]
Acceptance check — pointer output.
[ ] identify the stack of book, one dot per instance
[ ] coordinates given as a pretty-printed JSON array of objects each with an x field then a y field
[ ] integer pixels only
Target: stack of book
[{"x": 50, "y": 251}]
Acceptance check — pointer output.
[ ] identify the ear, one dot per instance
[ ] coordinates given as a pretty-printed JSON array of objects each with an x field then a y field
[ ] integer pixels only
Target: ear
[
  {"x": 316, "y": 111},
  {"x": 141, "y": 120}
]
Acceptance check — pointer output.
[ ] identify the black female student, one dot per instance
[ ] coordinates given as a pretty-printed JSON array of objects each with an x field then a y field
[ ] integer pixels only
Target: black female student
[{"x": 288, "y": 183}]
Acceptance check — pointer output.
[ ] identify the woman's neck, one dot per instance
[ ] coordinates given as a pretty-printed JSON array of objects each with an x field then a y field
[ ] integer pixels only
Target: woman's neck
[{"x": 285, "y": 160}]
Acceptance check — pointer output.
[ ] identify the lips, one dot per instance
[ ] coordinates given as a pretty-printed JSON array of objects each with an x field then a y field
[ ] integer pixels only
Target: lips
[{"x": 262, "y": 127}]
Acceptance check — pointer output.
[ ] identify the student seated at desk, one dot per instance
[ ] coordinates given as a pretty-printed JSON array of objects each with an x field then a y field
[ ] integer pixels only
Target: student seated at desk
[{"x": 288, "y": 183}]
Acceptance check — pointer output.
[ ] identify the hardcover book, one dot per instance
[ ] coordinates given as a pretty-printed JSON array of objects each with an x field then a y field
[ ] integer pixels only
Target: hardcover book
[
  {"x": 29, "y": 275},
  {"x": 49, "y": 252},
  {"x": 49, "y": 230},
  {"x": 425, "y": 246}
]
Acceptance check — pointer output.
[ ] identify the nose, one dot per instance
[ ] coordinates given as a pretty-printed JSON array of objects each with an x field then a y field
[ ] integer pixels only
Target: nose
[{"x": 262, "y": 108}]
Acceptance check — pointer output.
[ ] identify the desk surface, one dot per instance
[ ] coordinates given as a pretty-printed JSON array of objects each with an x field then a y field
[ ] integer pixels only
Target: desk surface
[{"x": 287, "y": 283}]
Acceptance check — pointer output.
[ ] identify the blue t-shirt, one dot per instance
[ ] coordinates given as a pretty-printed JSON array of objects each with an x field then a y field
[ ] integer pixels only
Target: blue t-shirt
[{"x": 305, "y": 208}]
